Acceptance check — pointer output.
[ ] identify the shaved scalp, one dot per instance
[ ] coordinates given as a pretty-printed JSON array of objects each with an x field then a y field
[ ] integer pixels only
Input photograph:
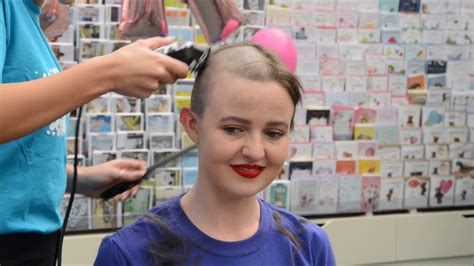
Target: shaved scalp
[{"x": 244, "y": 60}]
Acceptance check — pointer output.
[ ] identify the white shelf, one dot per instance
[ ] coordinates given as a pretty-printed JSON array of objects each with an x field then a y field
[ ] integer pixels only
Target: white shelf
[
  {"x": 401, "y": 237},
  {"x": 358, "y": 240}
]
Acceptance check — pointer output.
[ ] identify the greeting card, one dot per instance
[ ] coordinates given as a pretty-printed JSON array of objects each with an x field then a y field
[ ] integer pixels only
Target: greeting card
[
  {"x": 416, "y": 192},
  {"x": 321, "y": 133},
  {"x": 397, "y": 85},
  {"x": 355, "y": 68},
  {"x": 304, "y": 196},
  {"x": 364, "y": 132},
  {"x": 348, "y": 51},
  {"x": 377, "y": 84},
  {"x": 376, "y": 65},
  {"x": 410, "y": 135},
  {"x": 386, "y": 115},
  {"x": 300, "y": 133},
  {"x": 349, "y": 198},
  {"x": 389, "y": 21},
  {"x": 364, "y": 115},
  {"x": 389, "y": 153},
  {"x": 387, "y": 134},
  {"x": 441, "y": 167},
  {"x": 442, "y": 191},
  {"x": 356, "y": 83},
  {"x": 388, "y": 6},
  {"x": 98, "y": 105},
  {"x": 324, "y": 167},
  {"x": 318, "y": 116},
  {"x": 134, "y": 207},
  {"x": 358, "y": 98},
  {"x": 327, "y": 195},
  {"x": 369, "y": 166},
  {"x": 346, "y": 167},
  {"x": 369, "y": 6},
  {"x": 333, "y": 84},
  {"x": 311, "y": 83},
  {"x": 433, "y": 116},
  {"x": 391, "y": 37},
  {"x": 301, "y": 150},
  {"x": 415, "y": 67},
  {"x": 369, "y": 20},
  {"x": 100, "y": 123},
  {"x": 435, "y": 135},
  {"x": 464, "y": 191},
  {"x": 410, "y": 152},
  {"x": 130, "y": 140},
  {"x": 346, "y": 150},
  {"x": 324, "y": 150},
  {"x": 394, "y": 51},
  {"x": 330, "y": 67},
  {"x": 347, "y": 19},
  {"x": 461, "y": 150},
  {"x": 80, "y": 218},
  {"x": 307, "y": 67},
  {"x": 101, "y": 141},
  {"x": 300, "y": 169},
  {"x": 415, "y": 52},
  {"x": 347, "y": 35},
  {"x": 278, "y": 193},
  {"x": 105, "y": 214},
  {"x": 370, "y": 193},
  {"x": 435, "y": 82},
  {"x": 369, "y": 35},
  {"x": 391, "y": 194},
  {"x": 416, "y": 168},
  {"x": 389, "y": 169},
  {"x": 409, "y": 115},
  {"x": 436, "y": 151},
  {"x": 367, "y": 149},
  {"x": 436, "y": 67},
  {"x": 129, "y": 122},
  {"x": 463, "y": 167},
  {"x": 432, "y": 22},
  {"x": 433, "y": 37},
  {"x": 99, "y": 157},
  {"x": 313, "y": 99},
  {"x": 409, "y": 6},
  {"x": 341, "y": 119},
  {"x": 457, "y": 134}
]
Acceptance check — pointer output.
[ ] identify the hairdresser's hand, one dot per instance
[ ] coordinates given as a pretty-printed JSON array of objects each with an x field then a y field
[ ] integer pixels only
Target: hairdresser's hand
[
  {"x": 139, "y": 70},
  {"x": 93, "y": 180}
]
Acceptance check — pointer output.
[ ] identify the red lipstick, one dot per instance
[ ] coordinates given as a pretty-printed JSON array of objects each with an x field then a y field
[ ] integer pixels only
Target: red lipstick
[{"x": 249, "y": 171}]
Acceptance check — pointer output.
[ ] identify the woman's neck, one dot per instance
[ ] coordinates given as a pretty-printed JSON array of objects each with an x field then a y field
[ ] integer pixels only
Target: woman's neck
[{"x": 221, "y": 217}]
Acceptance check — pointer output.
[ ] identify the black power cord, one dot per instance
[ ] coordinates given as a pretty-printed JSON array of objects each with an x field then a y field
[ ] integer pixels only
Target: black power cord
[{"x": 59, "y": 246}]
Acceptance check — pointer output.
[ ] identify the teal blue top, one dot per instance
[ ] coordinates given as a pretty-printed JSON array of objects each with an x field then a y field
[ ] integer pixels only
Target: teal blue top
[{"x": 32, "y": 168}]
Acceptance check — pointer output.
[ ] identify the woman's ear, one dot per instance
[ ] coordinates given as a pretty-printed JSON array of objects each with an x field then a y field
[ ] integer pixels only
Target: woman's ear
[{"x": 189, "y": 122}]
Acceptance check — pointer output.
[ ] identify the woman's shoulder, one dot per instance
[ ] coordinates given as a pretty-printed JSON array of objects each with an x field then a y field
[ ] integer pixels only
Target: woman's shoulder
[
  {"x": 148, "y": 224},
  {"x": 296, "y": 223}
]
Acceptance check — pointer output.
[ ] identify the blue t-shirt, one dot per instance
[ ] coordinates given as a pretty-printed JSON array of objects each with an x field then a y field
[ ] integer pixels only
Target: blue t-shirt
[
  {"x": 268, "y": 246},
  {"x": 32, "y": 168}
]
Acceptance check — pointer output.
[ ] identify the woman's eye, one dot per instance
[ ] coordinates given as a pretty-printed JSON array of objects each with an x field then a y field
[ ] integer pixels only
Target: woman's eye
[
  {"x": 274, "y": 134},
  {"x": 232, "y": 130}
]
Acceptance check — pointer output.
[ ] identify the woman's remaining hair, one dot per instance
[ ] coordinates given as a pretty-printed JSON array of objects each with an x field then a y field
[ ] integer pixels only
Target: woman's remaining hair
[{"x": 245, "y": 60}]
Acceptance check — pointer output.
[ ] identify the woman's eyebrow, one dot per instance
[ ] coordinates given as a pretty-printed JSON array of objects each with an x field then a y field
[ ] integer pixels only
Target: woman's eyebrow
[
  {"x": 241, "y": 120},
  {"x": 235, "y": 119}
]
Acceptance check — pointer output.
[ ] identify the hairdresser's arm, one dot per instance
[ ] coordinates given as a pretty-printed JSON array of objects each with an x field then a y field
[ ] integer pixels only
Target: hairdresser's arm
[
  {"x": 93, "y": 180},
  {"x": 134, "y": 70}
]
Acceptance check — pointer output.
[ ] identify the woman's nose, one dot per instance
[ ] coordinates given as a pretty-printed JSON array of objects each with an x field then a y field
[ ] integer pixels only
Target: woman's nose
[{"x": 253, "y": 148}]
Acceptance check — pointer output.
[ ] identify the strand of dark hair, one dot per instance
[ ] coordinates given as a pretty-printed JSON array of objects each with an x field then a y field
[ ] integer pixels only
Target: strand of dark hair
[{"x": 171, "y": 249}]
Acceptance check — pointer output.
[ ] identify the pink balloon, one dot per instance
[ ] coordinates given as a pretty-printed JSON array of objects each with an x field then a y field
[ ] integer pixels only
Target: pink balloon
[{"x": 280, "y": 43}]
